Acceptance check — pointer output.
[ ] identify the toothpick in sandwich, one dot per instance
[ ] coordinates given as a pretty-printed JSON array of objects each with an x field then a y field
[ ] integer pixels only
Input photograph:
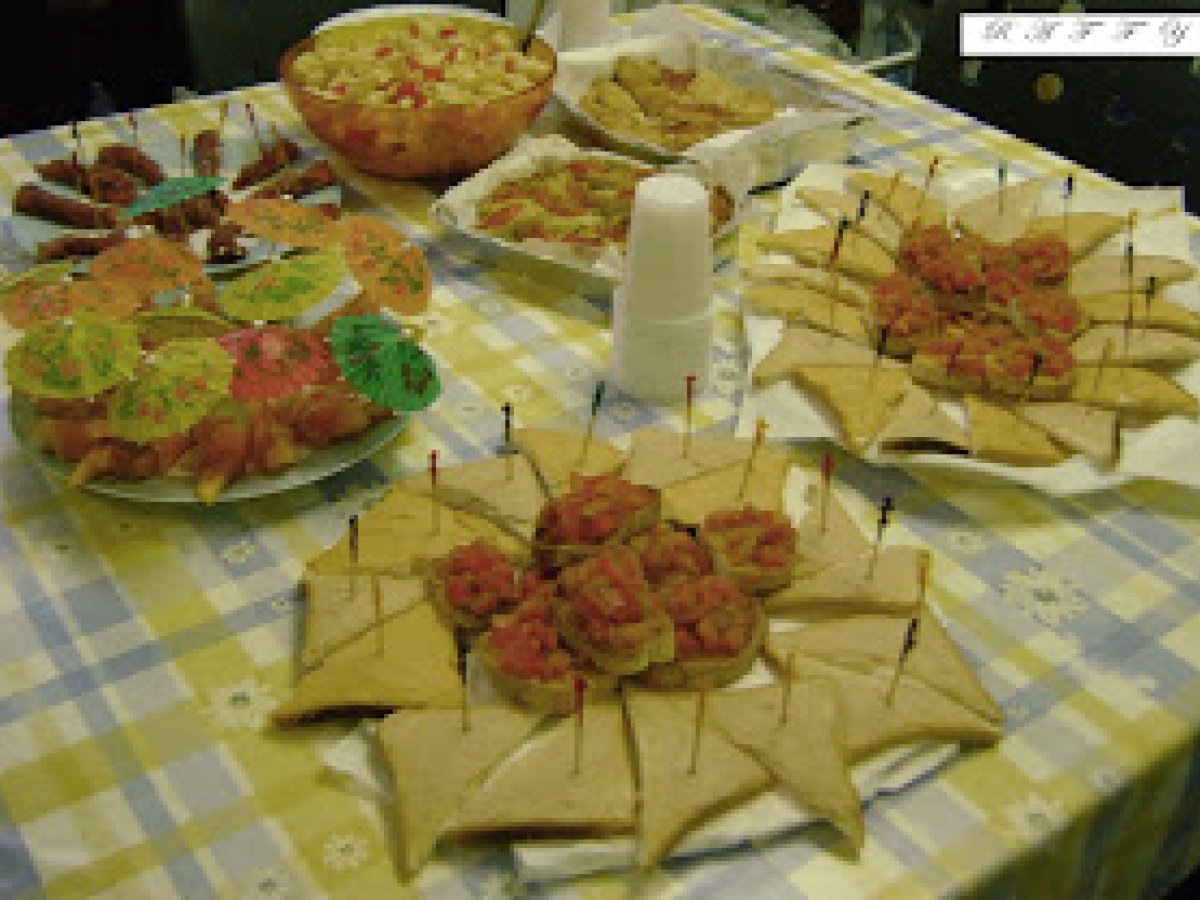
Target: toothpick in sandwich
[
  {"x": 760, "y": 431},
  {"x": 884, "y": 509}
]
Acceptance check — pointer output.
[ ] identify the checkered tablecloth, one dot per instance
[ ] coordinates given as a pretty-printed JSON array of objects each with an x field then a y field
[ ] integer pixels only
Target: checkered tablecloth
[{"x": 142, "y": 645}]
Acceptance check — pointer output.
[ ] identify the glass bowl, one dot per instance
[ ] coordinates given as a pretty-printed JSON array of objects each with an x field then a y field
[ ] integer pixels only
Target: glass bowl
[{"x": 430, "y": 141}]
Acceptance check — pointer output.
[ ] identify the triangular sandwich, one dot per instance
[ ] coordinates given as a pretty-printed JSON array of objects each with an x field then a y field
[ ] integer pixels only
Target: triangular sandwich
[
  {"x": 804, "y": 753},
  {"x": 538, "y": 789},
  {"x": 799, "y": 303},
  {"x": 817, "y": 277},
  {"x": 1133, "y": 346},
  {"x": 339, "y": 608},
  {"x": 999, "y": 436},
  {"x": 1002, "y": 215},
  {"x": 1135, "y": 392},
  {"x": 916, "y": 714},
  {"x": 504, "y": 490},
  {"x": 860, "y": 398},
  {"x": 400, "y": 534},
  {"x": 803, "y": 346},
  {"x": 1083, "y": 231},
  {"x": 858, "y": 256},
  {"x": 657, "y": 456},
  {"x": 849, "y": 585},
  {"x": 909, "y": 204},
  {"x": 876, "y": 223},
  {"x": 415, "y": 664},
  {"x": 1089, "y": 430},
  {"x": 919, "y": 425},
  {"x": 436, "y": 764},
  {"x": 840, "y": 540},
  {"x": 675, "y": 796},
  {"x": 1160, "y": 312},
  {"x": 1110, "y": 273},
  {"x": 556, "y": 454},
  {"x": 689, "y": 502},
  {"x": 866, "y": 642}
]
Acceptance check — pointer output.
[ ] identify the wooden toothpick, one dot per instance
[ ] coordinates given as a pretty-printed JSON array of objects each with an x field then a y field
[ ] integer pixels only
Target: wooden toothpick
[
  {"x": 826, "y": 487},
  {"x": 760, "y": 431},
  {"x": 701, "y": 698},
  {"x": 884, "y": 509},
  {"x": 789, "y": 675},
  {"x": 377, "y": 600},
  {"x": 579, "y": 687},
  {"x": 910, "y": 641},
  {"x": 597, "y": 399},
  {"x": 507, "y": 410},
  {"x": 690, "y": 388},
  {"x": 433, "y": 492}
]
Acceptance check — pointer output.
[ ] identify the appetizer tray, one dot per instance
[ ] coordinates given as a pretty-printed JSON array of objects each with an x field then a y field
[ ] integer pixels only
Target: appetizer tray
[
  {"x": 1157, "y": 448},
  {"x": 460, "y": 614},
  {"x": 315, "y": 466},
  {"x": 589, "y": 271},
  {"x": 31, "y": 231},
  {"x": 809, "y": 125}
]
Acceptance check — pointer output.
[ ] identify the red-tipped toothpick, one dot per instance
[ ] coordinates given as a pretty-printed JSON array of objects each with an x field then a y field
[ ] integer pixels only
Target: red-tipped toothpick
[
  {"x": 760, "y": 432},
  {"x": 826, "y": 487},
  {"x": 885, "y": 509},
  {"x": 690, "y": 388},
  {"x": 132, "y": 122},
  {"x": 701, "y": 702},
  {"x": 253, "y": 120},
  {"x": 580, "y": 691},
  {"x": 597, "y": 400},
  {"x": 433, "y": 492}
]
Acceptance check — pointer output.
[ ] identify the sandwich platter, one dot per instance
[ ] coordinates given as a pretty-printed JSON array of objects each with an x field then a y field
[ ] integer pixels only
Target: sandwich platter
[
  {"x": 514, "y": 613},
  {"x": 1077, "y": 376}
]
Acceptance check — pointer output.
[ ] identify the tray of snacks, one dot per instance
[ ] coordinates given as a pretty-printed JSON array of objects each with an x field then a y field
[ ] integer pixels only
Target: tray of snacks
[
  {"x": 76, "y": 208},
  {"x": 562, "y": 637},
  {"x": 671, "y": 96},
  {"x": 1040, "y": 333},
  {"x": 567, "y": 210},
  {"x": 146, "y": 380}
]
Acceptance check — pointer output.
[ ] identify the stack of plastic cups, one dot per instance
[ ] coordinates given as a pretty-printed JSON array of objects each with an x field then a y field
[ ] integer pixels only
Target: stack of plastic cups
[
  {"x": 662, "y": 310},
  {"x": 582, "y": 23}
]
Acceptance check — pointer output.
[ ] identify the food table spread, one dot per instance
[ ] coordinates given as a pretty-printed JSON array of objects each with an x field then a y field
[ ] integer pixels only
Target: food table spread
[{"x": 144, "y": 646}]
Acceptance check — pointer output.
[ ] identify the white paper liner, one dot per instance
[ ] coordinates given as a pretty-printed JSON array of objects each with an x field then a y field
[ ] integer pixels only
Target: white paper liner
[
  {"x": 359, "y": 768},
  {"x": 600, "y": 270},
  {"x": 810, "y": 124},
  {"x": 1163, "y": 450}
]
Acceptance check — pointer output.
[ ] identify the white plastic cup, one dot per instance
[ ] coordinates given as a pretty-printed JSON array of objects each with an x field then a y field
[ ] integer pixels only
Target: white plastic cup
[
  {"x": 668, "y": 264},
  {"x": 582, "y": 24},
  {"x": 651, "y": 359}
]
